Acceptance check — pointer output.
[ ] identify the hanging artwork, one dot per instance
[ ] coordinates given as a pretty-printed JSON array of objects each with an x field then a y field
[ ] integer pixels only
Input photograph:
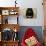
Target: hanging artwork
[
  {"x": 5, "y": 12},
  {"x": 28, "y": 13},
  {"x": 31, "y": 13}
]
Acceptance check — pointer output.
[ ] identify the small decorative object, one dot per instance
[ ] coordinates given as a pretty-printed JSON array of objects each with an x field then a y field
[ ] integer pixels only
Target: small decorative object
[
  {"x": 29, "y": 13},
  {"x": 0, "y": 11},
  {"x": 15, "y": 35},
  {"x": 15, "y": 3},
  {"x": 5, "y": 12},
  {"x": 0, "y": 19},
  {"x": 15, "y": 30},
  {"x": 6, "y": 21},
  {"x": 13, "y": 12}
]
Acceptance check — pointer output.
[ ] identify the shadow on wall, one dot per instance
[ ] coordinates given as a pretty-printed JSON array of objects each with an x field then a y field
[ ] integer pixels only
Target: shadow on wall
[{"x": 37, "y": 29}]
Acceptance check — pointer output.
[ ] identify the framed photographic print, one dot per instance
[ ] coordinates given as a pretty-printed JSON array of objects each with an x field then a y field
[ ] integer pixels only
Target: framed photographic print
[
  {"x": 29, "y": 13},
  {"x": 5, "y": 12}
]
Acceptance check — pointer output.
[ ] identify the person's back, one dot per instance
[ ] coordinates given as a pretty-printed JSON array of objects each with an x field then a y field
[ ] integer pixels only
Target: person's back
[{"x": 30, "y": 39}]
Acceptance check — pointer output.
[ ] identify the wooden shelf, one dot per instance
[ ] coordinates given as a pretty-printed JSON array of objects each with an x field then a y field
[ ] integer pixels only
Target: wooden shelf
[
  {"x": 9, "y": 43},
  {"x": 9, "y": 8},
  {"x": 9, "y": 26},
  {"x": 5, "y": 11}
]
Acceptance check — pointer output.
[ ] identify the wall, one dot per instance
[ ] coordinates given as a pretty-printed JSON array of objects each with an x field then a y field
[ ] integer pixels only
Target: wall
[
  {"x": 32, "y": 22},
  {"x": 38, "y": 21}
]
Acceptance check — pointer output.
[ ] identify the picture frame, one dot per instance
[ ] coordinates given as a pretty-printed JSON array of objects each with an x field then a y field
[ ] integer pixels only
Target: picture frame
[
  {"x": 31, "y": 13},
  {"x": 23, "y": 12},
  {"x": 5, "y": 12}
]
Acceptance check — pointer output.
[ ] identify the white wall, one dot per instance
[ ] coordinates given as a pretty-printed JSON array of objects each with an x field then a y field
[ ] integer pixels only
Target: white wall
[
  {"x": 32, "y": 22},
  {"x": 27, "y": 4}
]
